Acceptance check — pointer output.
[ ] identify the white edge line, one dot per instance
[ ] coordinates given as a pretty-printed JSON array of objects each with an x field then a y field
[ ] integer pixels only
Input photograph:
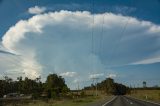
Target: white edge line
[
  {"x": 144, "y": 100},
  {"x": 129, "y": 101},
  {"x": 109, "y": 101}
]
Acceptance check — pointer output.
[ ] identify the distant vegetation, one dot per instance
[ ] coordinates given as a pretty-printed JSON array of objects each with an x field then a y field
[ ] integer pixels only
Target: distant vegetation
[
  {"x": 53, "y": 91},
  {"x": 110, "y": 87},
  {"x": 53, "y": 86}
]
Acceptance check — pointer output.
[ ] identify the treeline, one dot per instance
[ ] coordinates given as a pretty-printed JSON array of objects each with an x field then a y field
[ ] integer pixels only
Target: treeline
[
  {"x": 54, "y": 86},
  {"x": 110, "y": 87},
  {"x": 146, "y": 88}
]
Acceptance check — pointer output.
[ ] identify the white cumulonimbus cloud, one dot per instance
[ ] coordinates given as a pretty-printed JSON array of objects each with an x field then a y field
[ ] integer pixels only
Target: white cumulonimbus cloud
[
  {"x": 60, "y": 41},
  {"x": 96, "y": 75},
  {"x": 111, "y": 76},
  {"x": 68, "y": 74},
  {"x": 36, "y": 10}
]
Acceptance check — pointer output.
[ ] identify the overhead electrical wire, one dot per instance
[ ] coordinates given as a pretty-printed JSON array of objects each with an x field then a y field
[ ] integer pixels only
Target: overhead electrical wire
[
  {"x": 92, "y": 36},
  {"x": 92, "y": 29},
  {"x": 117, "y": 44},
  {"x": 101, "y": 36}
]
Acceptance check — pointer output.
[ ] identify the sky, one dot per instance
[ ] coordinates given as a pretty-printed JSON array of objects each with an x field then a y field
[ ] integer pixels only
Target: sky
[{"x": 81, "y": 40}]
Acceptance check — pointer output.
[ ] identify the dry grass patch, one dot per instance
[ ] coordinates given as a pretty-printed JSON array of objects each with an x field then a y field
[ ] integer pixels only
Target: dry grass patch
[{"x": 149, "y": 95}]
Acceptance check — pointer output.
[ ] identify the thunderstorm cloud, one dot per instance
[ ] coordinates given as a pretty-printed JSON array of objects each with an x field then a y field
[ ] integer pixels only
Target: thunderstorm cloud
[{"x": 65, "y": 40}]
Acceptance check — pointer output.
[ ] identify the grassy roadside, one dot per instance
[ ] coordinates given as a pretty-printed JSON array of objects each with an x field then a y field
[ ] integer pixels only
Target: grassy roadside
[
  {"x": 148, "y": 95},
  {"x": 86, "y": 101}
]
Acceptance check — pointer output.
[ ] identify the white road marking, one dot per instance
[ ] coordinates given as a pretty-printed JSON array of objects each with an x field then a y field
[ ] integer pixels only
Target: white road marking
[
  {"x": 128, "y": 100},
  {"x": 109, "y": 101},
  {"x": 144, "y": 100},
  {"x": 131, "y": 103}
]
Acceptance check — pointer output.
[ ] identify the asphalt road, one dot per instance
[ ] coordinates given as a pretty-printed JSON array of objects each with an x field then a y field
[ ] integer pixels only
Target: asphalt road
[{"x": 127, "y": 101}]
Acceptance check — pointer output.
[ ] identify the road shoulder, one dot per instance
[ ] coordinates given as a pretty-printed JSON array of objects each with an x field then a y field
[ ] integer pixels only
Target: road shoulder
[{"x": 154, "y": 103}]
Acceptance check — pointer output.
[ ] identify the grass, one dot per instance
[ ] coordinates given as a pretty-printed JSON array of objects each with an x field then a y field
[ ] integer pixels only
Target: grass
[
  {"x": 67, "y": 102},
  {"x": 149, "y": 95},
  {"x": 85, "y": 101}
]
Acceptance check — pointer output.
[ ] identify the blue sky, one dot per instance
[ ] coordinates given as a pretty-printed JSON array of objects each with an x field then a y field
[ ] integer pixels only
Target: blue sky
[
  {"x": 80, "y": 39},
  {"x": 142, "y": 9}
]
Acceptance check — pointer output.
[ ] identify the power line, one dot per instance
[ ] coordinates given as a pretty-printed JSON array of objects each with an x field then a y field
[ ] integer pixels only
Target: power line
[
  {"x": 118, "y": 42},
  {"x": 92, "y": 29},
  {"x": 92, "y": 34},
  {"x": 96, "y": 84},
  {"x": 101, "y": 35}
]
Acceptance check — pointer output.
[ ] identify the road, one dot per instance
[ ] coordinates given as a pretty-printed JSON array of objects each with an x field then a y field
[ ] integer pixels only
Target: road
[{"x": 127, "y": 101}]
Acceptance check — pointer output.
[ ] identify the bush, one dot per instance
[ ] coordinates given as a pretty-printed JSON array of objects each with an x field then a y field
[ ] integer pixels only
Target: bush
[
  {"x": 53, "y": 94},
  {"x": 35, "y": 95},
  {"x": 83, "y": 94}
]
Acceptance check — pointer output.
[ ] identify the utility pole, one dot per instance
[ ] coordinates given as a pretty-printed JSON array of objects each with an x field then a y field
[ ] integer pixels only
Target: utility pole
[
  {"x": 97, "y": 86},
  {"x": 134, "y": 89},
  {"x": 96, "y": 79},
  {"x": 78, "y": 85},
  {"x": 93, "y": 85}
]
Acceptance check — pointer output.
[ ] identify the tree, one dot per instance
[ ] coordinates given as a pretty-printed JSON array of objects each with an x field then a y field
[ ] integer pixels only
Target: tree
[
  {"x": 144, "y": 84},
  {"x": 20, "y": 82},
  {"x": 110, "y": 87},
  {"x": 55, "y": 85}
]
